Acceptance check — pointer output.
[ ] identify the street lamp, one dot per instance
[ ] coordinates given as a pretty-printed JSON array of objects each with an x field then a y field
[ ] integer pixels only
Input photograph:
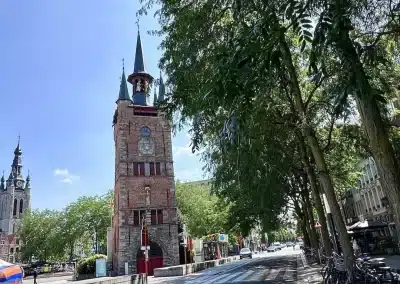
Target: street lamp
[{"x": 330, "y": 222}]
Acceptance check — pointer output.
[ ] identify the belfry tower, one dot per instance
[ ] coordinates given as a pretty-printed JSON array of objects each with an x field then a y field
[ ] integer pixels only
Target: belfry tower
[{"x": 145, "y": 213}]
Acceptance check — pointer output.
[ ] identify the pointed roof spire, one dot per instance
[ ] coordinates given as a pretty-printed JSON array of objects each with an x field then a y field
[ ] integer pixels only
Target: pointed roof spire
[
  {"x": 18, "y": 150},
  {"x": 28, "y": 180},
  {"x": 155, "y": 98},
  {"x": 139, "y": 61},
  {"x": 123, "y": 88},
  {"x": 2, "y": 187},
  {"x": 161, "y": 89}
]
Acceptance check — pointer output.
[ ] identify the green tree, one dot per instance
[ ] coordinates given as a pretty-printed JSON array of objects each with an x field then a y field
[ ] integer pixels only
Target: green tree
[{"x": 202, "y": 212}]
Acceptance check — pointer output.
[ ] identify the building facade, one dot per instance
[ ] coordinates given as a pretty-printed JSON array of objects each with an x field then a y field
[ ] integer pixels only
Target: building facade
[
  {"x": 145, "y": 212},
  {"x": 368, "y": 202}
]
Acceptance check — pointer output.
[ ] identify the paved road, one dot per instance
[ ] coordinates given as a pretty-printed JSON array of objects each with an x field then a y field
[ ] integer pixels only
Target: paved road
[{"x": 278, "y": 267}]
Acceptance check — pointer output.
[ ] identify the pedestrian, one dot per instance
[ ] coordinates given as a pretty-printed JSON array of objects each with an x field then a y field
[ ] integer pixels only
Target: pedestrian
[
  {"x": 294, "y": 246},
  {"x": 35, "y": 274}
]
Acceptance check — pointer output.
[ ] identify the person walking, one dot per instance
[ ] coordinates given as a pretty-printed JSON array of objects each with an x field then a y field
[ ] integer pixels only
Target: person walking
[{"x": 35, "y": 274}]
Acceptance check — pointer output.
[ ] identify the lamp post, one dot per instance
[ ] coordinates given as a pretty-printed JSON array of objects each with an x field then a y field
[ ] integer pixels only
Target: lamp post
[{"x": 329, "y": 220}]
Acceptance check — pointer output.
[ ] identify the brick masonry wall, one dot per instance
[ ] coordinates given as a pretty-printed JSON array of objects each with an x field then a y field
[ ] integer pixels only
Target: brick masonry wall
[{"x": 130, "y": 191}]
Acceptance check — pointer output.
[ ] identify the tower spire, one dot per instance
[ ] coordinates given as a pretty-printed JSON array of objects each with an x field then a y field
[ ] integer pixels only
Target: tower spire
[
  {"x": 139, "y": 61},
  {"x": 140, "y": 79},
  {"x": 28, "y": 180},
  {"x": 123, "y": 88},
  {"x": 16, "y": 167},
  {"x": 161, "y": 89}
]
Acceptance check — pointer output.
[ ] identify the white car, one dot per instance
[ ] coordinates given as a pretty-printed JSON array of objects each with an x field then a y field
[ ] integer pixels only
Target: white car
[
  {"x": 271, "y": 248},
  {"x": 277, "y": 245}
]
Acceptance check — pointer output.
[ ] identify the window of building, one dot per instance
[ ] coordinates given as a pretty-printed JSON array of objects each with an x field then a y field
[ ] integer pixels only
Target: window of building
[
  {"x": 17, "y": 241},
  {"x": 160, "y": 217},
  {"x": 11, "y": 250},
  {"x": 158, "y": 168},
  {"x": 16, "y": 250},
  {"x": 15, "y": 207},
  {"x": 2, "y": 242},
  {"x": 156, "y": 217},
  {"x": 138, "y": 217},
  {"x": 21, "y": 205},
  {"x": 141, "y": 169},
  {"x": 152, "y": 170}
]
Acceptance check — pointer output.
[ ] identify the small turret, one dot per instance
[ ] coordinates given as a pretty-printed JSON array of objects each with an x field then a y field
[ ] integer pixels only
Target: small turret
[
  {"x": 155, "y": 98},
  {"x": 161, "y": 90},
  {"x": 2, "y": 185},
  {"x": 28, "y": 181},
  {"x": 123, "y": 88}
]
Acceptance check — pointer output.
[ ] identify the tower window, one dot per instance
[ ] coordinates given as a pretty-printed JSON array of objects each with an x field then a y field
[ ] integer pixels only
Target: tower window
[
  {"x": 15, "y": 207},
  {"x": 158, "y": 168},
  {"x": 156, "y": 217},
  {"x": 21, "y": 206},
  {"x": 138, "y": 217},
  {"x": 152, "y": 169},
  {"x": 141, "y": 169}
]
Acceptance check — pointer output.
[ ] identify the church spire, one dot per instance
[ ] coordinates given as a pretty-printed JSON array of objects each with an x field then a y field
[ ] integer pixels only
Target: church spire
[
  {"x": 140, "y": 79},
  {"x": 139, "y": 60},
  {"x": 123, "y": 88},
  {"x": 161, "y": 89}
]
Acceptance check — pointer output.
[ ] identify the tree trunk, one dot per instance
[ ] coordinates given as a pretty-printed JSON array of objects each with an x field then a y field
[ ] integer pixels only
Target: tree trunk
[
  {"x": 387, "y": 164},
  {"x": 303, "y": 223},
  {"x": 316, "y": 196},
  {"x": 319, "y": 157},
  {"x": 310, "y": 220}
]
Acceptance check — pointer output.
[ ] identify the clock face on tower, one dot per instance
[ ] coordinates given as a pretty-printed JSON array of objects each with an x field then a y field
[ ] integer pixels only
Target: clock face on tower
[
  {"x": 146, "y": 146},
  {"x": 19, "y": 183}
]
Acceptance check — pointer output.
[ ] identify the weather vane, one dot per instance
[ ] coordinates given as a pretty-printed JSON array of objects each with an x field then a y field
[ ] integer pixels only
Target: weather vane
[{"x": 138, "y": 22}]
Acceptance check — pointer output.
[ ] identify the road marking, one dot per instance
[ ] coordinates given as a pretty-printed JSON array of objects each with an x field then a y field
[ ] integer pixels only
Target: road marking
[
  {"x": 273, "y": 273},
  {"x": 228, "y": 277},
  {"x": 244, "y": 276}
]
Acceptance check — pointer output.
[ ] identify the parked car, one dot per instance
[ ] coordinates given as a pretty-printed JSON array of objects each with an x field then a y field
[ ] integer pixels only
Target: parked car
[
  {"x": 289, "y": 244},
  {"x": 272, "y": 248},
  {"x": 278, "y": 245},
  {"x": 246, "y": 252}
]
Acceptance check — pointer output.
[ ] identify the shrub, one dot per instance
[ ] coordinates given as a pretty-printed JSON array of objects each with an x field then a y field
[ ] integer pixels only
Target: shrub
[{"x": 88, "y": 265}]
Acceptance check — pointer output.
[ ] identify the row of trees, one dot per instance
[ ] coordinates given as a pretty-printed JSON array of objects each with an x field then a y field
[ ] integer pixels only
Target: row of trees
[
  {"x": 56, "y": 235},
  {"x": 274, "y": 92},
  {"x": 202, "y": 212}
]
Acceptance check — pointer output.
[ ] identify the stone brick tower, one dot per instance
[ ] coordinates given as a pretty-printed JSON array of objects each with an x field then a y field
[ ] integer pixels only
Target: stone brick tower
[
  {"x": 15, "y": 195},
  {"x": 145, "y": 213}
]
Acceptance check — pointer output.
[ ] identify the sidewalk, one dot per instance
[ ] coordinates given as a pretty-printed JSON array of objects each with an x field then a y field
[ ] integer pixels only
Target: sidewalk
[{"x": 307, "y": 274}]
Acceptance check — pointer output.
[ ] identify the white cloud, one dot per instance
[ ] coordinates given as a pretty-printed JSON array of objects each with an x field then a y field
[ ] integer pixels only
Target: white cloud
[{"x": 65, "y": 176}]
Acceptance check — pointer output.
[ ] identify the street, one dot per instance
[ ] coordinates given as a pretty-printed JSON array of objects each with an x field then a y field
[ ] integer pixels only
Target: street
[{"x": 275, "y": 267}]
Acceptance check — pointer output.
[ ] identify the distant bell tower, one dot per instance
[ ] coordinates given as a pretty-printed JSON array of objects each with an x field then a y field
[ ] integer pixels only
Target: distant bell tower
[
  {"x": 15, "y": 195},
  {"x": 145, "y": 213}
]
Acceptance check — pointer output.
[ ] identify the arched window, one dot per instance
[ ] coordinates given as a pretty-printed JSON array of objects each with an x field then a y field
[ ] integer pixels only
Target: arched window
[
  {"x": 15, "y": 207},
  {"x": 21, "y": 206}
]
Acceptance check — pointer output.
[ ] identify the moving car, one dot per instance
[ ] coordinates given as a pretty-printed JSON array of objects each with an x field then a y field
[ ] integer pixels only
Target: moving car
[
  {"x": 246, "y": 252},
  {"x": 289, "y": 244},
  {"x": 271, "y": 248},
  {"x": 277, "y": 245}
]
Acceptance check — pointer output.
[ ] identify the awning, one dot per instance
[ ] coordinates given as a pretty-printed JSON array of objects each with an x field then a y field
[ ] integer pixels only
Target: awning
[{"x": 367, "y": 225}]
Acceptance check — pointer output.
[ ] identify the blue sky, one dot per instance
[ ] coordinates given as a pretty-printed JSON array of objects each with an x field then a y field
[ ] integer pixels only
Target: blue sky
[{"x": 59, "y": 79}]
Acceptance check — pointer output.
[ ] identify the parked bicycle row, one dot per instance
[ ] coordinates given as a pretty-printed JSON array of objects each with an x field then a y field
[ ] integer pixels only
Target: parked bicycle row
[{"x": 365, "y": 269}]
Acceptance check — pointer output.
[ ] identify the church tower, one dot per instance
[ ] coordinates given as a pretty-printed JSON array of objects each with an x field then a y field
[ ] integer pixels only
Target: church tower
[
  {"x": 145, "y": 213},
  {"x": 14, "y": 195}
]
